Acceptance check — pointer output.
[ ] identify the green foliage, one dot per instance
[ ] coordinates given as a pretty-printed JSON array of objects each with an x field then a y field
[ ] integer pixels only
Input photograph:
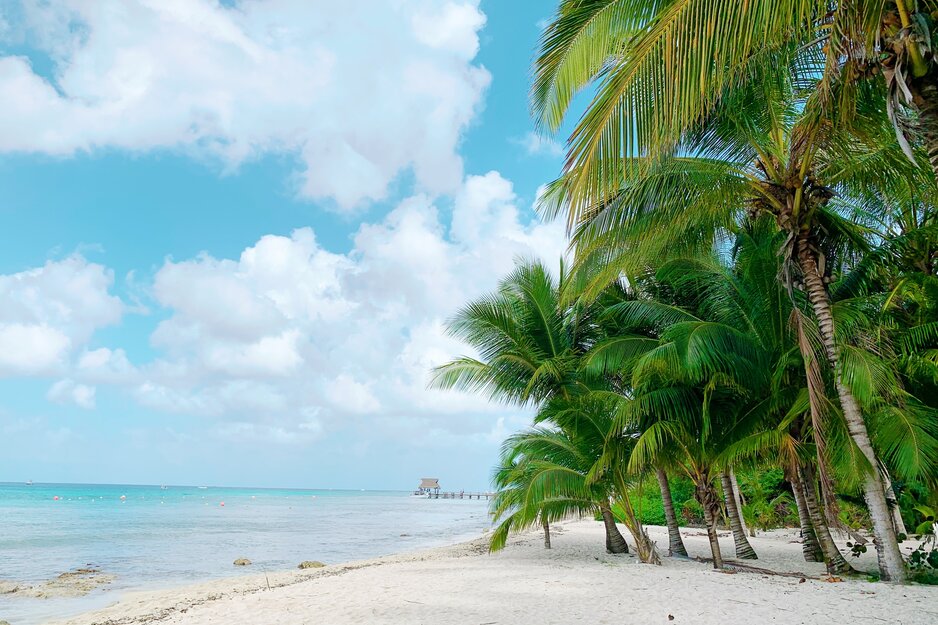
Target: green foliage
[
  {"x": 918, "y": 504},
  {"x": 779, "y": 511},
  {"x": 853, "y": 515},
  {"x": 925, "y": 556},
  {"x": 648, "y": 506},
  {"x": 647, "y": 501},
  {"x": 682, "y": 489},
  {"x": 692, "y": 512},
  {"x": 929, "y": 518},
  {"x": 767, "y": 503},
  {"x": 928, "y": 577},
  {"x": 856, "y": 549}
]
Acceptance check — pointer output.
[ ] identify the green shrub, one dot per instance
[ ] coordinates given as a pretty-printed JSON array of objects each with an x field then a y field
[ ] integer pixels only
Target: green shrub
[
  {"x": 768, "y": 514},
  {"x": 853, "y": 515},
  {"x": 682, "y": 489},
  {"x": 647, "y": 500},
  {"x": 918, "y": 505}
]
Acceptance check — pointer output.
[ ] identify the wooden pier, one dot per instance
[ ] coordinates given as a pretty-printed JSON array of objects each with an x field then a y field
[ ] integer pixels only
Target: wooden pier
[
  {"x": 459, "y": 495},
  {"x": 430, "y": 488}
]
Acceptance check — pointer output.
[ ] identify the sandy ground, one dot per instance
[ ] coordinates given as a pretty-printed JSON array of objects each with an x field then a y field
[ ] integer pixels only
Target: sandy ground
[{"x": 575, "y": 582}]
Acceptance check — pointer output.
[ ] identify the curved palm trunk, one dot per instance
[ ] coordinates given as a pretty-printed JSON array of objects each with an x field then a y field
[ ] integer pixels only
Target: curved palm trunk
[
  {"x": 615, "y": 542},
  {"x": 546, "y": 526},
  {"x": 893, "y": 502},
  {"x": 707, "y": 498},
  {"x": 810, "y": 546},
  {"x": 744, "y": 550},
  {"x": 739, "y": 504},
  {"x": 891, "y": 564},
  {"x": 836, "y": 564},
  {"x": 675, "y": 542}
]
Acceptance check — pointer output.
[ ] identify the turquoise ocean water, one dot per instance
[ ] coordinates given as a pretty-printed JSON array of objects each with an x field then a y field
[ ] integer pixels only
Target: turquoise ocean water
[{"x": 165, "y": 536}]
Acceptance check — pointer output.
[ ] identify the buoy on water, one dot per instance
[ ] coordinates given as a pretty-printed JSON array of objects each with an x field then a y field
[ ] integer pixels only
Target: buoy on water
[{"x": 56, "y": 498}]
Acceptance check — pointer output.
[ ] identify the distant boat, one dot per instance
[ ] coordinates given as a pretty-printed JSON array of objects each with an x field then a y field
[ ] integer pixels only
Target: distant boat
[
  {"x": 203, "y": 487},
  {"x": 29, "y": 482},
  {"x": 164, "y": 487}
]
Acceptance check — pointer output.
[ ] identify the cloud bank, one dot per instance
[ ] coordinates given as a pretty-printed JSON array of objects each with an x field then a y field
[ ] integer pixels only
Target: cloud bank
[
  {"x": 358, "y": 92},
  {"x": 290, "y": 340}
]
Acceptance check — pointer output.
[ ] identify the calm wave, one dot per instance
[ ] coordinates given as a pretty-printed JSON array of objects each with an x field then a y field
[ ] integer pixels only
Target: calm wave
[{"x": 163, "y": 536}]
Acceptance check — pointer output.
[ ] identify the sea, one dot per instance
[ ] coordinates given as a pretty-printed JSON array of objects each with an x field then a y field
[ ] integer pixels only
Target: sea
[{"x": 152, "y": 537}]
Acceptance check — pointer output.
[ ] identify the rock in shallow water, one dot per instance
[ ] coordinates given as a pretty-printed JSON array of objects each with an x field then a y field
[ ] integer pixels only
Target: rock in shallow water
[
  {"x": 311, "y": 564},
  {"x": 74, "y": 583},
  {"x": 242, "y": 562}
]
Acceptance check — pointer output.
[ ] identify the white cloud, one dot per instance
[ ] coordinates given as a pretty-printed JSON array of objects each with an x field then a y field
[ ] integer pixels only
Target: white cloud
[
  {"x": 31, "y": 348},
  {"x": 104, "y": 366},
  {"x": 536, "y": 145},
  {"x": 69, "y": 392},
  {"x": 289, "y": 342},
  {"x": 48, "y": 311},
  {"x": 235, "y": 82},
  {"x": 450, "y": 26},
  {"x": 296, "y": 339}
]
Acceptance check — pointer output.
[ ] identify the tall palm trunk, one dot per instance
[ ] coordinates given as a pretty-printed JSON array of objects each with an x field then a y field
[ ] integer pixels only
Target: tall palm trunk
[
  {"x": 615, "y": 542},
  {"x": 836, "y": 564},
  {"x": 891, "y": 564},
  {"x": 707, "y": 498},
  {"x": 546, "y": 526},
  {"x": 810, "y": 546},
  {"x": 744, "y": 550},
  {"x": 675, "y": 542}
]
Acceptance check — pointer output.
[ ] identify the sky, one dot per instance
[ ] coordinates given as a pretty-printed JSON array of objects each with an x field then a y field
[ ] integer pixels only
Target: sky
[{"x": 234, "y": 232}]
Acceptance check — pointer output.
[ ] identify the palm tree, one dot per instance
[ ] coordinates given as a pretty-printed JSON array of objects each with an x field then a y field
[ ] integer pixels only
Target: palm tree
[
  {"x": 530, "y": 348},
  {"x": 684, "y": 407},
  {"x": 751, "y": 142},
  {"x": 528, "y": 343},
  {"x": 787, "y": 445},
  {"x": 641, "y": 322},
  {"x": 590, "y": 419},
  {"x": 660, "y": 66},
  {"x": 891, "y": 44},
  {"x": 543, "y": 478},
  {"x": 691, "y": 435},
  {"x": 733, "y": 321},
  {"x": 891, "y": 296}
]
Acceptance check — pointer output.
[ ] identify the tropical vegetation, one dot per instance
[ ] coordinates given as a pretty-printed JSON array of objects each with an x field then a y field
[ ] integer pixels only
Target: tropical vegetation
[{"x": 752, "y": 288}]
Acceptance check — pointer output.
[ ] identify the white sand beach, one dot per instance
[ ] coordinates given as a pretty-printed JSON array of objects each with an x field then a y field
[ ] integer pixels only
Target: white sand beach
[{"x": 574, "y": 582}]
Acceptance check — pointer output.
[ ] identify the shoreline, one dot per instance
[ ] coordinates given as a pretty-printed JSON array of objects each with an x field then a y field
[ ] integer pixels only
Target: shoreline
[
  {"x": 576, "y": 580},
  {"x": 173, "y": 599}
]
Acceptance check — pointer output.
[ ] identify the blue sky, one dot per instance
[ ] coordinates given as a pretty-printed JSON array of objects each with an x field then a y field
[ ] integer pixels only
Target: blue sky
[{"x": 233, "y": 236}]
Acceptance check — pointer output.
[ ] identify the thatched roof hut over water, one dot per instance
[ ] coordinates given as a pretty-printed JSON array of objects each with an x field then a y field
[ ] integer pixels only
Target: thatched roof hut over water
[{"x": 427, "y": 484}]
